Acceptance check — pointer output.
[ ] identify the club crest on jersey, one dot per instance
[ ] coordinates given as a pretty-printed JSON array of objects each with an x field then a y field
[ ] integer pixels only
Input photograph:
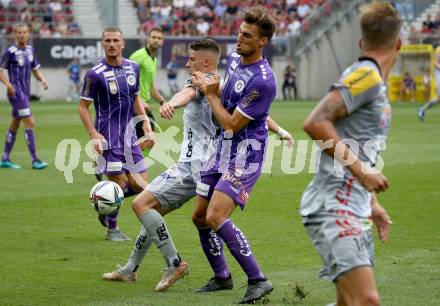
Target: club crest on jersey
[
  {"x": 131, "y": 80},
  {"x": 113, "y": 87},
  {"x": 239, "y": 86}
]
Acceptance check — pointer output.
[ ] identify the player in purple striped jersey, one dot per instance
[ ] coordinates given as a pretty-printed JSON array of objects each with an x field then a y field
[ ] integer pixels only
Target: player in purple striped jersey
[
  {"x": 20, "y": 60},
  {"x": 249, "y": 89},
  {"x": 113, "y": 87}
]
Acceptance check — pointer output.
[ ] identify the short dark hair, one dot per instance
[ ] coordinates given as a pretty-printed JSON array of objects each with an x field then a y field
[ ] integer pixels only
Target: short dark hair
[
  {"x": 155, "y": 29},
  {"x": 205, "y": 44},
  {"x": 380, "y": 25},
  {"x": 112, "y": 30},
  {"x": 20, "y": 25},
  {"x": 260, "y": 17}
]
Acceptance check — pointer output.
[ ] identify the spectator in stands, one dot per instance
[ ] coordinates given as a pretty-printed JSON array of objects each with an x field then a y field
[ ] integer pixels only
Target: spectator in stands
[
  {"x": 202, "y": 27},
  {"x": 405, "y": 9},
  {"x": 172, "y": 75},
  {"x": 289, "y": 83},
  {"x": 408, "y": 84}
]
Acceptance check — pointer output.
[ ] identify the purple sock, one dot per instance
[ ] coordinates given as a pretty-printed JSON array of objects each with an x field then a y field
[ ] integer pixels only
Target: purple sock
[
  {"x": 240, "y": 249},
  {"x": 112, "y": 220},
  {"x": 9, "y": 144},
  {"x": 212, "y": 245},
  {"x": 30, "y": 140}
]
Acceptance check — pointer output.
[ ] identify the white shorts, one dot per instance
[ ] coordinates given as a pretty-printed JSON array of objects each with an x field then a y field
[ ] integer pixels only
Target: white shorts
[
  {"x": 344, "y": 242},
  {"x": 175, "y": 186}
]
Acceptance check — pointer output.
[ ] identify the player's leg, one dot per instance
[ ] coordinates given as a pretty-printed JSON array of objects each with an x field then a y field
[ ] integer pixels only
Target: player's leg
[
  {"x": 113, "y": 232},
  {"x": 220, "y": 208},
  {"x": 357, "y": 287},
  {"x": 11, "y": 136},
  {"x": 212, "y": 246},
  {"x": 29, "y": 124},
  {"x": 422, "y": 110}
]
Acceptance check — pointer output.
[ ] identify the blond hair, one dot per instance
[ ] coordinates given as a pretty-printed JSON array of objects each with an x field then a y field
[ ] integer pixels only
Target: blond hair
[{"x": 380, "y": 25}]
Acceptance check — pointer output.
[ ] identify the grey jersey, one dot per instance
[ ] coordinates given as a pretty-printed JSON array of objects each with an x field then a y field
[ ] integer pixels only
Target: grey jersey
[
  {"x": 364, "y": 129},
  {"x": 199, "y": 131}
]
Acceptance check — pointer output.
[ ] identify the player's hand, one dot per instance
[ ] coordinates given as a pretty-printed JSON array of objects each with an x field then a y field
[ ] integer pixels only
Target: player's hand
[
  {"x": 150, "y": 140},
  {"x": 167, "y": 111},
  {"x": 146, "y": 106},
  {"x": 45, "y": 84},
  {"x": 382, "y": 221},
  {"x": 373, "y": 182},
  {"x": 10, "y": 90},
  {"x": 100, "y": 142},
  {"x": 285, "y": 136}
]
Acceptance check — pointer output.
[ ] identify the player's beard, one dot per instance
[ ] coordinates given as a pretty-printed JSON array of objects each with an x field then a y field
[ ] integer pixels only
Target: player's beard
[{"x": 245, "y": 53}]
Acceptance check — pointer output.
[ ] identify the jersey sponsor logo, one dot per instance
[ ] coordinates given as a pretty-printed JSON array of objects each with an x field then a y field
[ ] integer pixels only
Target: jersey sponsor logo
[
  {"x": 343, "y": 193},
  {"x": 113, "y": 87},
  {"x": 24, "y": 112},
  {"x": 190, "y": 143},
  {"x": 109, "y": 74},
  {"x": 348, "y": 229},
  {"x": 162, "y": 232},
  {"x": 239, "y": 86},
  {"x": 249, "y": 98},
  {"x": 114, "y": 166},
  {"x": 131, "y": 80},
  {"x": 31, "y": 58},
  {"x": 362, "y": 79},
  {"x": 202, "y": 189}
]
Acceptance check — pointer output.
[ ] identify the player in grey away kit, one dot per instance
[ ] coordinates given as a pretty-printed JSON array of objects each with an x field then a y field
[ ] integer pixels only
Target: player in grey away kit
[{"x": 351, "y": 122}]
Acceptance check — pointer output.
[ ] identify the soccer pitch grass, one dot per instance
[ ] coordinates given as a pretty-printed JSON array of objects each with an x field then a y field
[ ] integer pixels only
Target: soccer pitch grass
[{"x": 53, "y": 251}]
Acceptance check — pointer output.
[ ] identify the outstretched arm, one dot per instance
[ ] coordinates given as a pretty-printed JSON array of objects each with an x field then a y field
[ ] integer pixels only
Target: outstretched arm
[
  {"x": 282, "y": 133},
  {"x": 39, "y": 76},
  {"x": 180, "y": 99}
]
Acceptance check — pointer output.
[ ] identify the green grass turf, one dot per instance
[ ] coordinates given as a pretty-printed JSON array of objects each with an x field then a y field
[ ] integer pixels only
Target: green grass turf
[{"x": 52, "y": 250}]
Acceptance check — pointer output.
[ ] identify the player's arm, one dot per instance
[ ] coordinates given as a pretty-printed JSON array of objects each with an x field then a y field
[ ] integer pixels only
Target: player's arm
[
  {"x": 39, "y": 76},
  {"x": 381, "y": 219},
  {"x": 180, "y": 99},
  {"x": 86, "y": 118},
  {"x": 230, "y": 122},
  {"x": 140, "y": 111},
  {"x": 156, "y": 95},
  {"x": 320, "y": 126},
  {"x": 4, "y": 79},
  {"x": 282, "y": 133}
]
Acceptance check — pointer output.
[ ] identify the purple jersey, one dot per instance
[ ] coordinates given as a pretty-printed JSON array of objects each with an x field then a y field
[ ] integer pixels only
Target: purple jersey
[
  {"x": 250, "y": 89},
  {"x": 113, "y": 90},
  {"x": 20, "y": 63}
]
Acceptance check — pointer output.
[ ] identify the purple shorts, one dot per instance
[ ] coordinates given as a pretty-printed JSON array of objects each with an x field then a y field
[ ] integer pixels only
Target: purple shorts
[
  {"x": 20, "y": 108},
  {"x": 235, "y": 183},
  {"x": 115, "y": 162}
]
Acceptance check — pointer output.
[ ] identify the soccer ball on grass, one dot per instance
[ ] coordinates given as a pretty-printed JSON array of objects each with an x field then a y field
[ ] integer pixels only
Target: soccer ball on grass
[{"x": 106, "y": 197}]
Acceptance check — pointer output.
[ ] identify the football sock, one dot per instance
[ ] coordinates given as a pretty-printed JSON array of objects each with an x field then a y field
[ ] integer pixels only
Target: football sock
[
  {"x": 140, "y": 249},
  {"x": 112, "y": 220},
  {"x": 430, "y": 104},
  {"x": 212, "y": 245},
  {"x": 240, "y": 249},
  {"x": 9, "y": 144},
  {"x": 158, "y": 231},
  {"x": 30, "y": 140}
]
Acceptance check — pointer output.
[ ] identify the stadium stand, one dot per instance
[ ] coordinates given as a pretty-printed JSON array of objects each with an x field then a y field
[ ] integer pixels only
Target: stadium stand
[
  {"x": 46, "y": 18},
  {"x": 217, "y": 17}
]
